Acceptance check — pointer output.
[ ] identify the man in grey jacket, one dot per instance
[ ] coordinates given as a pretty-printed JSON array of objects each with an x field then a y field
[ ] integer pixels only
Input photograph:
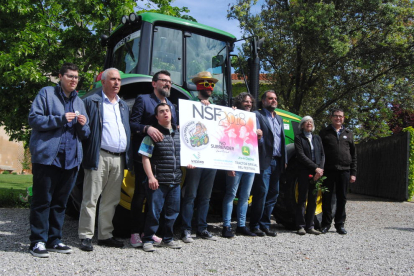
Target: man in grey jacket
[{"x": 59, "y": 123}]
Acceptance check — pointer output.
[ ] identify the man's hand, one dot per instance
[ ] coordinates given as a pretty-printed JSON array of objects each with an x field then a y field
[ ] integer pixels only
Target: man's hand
[
  {"x": 189, "y": 166},
  {"x": 352, "y": 179},
  {"x": 231, "y": 173},
  {"x": 155, "y": 134},
  {"x": 259, "y": 133},
  {"x": 70, "y": 116},
  {"x": 153, "y": 183},
  {"x": 81, "y": 119},
  {"x": 205, "y": 102}
]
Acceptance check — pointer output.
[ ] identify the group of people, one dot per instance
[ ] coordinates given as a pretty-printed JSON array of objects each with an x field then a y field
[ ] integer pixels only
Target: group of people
[{"x": 100, "y": 134}]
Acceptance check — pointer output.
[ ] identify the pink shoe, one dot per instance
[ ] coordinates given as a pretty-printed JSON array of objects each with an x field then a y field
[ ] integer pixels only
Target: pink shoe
[
  {"x": 157, "y": 240},
  {"x": 135, "y": 240}
]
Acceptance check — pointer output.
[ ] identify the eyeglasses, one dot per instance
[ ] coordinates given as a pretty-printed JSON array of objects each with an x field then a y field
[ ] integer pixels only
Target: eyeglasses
[
  {"x": 338, "y": 116},
  {"x": 165, "y": 81},
  {"x": 72, "y": 77},
  {"x": 208, "y": 84}
]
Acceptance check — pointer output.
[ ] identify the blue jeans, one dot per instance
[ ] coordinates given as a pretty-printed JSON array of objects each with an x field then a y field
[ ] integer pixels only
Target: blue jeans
[
  {"x": 265, "y": 192},
  {"x": 245, "y": 180},
  {"x": 199, "y": 183},
  {"x": 51, "y": 190},
  {"x": 167, "y": 197}
]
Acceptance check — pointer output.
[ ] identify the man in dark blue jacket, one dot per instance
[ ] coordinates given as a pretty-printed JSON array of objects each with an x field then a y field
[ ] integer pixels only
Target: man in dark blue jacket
[
  {"x": 142, "y": 123},
  {"x": 59, "y": 123},
  {"x": 273, "y": 160},
  {"x": 107, "y": 153}
]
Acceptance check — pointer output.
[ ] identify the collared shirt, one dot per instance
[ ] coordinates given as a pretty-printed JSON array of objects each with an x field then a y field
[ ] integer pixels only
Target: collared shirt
[
  {"x": 338, "y": 132},
  {"x": 113, "y": 132},
  {"x": 277, "y": 132},
  {"x": 309, "y": 136},
  {"x": 67, "y": 154}
]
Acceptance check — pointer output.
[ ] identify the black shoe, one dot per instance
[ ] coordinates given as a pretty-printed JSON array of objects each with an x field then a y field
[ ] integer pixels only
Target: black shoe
[
  {"x": 341, "y": 230},
  {"x": 39, "y": 250},
  {"x": 206, "y": 235},
  {"x": 59, "y": 248},
  {"x": 245, "y": 232},
  {"x": 258, "y": 232},
  {"x": 227, "y": 232},
  {"x": 86, "y": 245},
  {"x": 268, "y": 232},
  {"x": 111, "y": 242},
  {"x": 325, "y": 229}
]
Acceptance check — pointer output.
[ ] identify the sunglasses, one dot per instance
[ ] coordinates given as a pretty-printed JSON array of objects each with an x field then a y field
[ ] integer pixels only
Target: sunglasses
[{"x": 208, "y": 84}]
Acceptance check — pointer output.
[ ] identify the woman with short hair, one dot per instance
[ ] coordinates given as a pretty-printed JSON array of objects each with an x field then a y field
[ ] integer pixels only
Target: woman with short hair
[{"x": 311, "y": 160}]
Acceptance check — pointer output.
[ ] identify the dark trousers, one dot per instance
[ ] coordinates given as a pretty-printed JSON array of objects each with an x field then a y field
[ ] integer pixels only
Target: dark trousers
[
  {"x": 340, "y": 181},
  {"x": 137, "y": 202},
  {"x": 51, "y": 190},
  {"x": 305, "y": 191},
  {"x": 265, "y": 191},
  {"x": 167, "y": 197}
]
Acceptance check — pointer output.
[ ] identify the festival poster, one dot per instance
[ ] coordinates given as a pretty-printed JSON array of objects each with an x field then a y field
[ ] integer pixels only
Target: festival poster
[{"x": 218, "y": 137}]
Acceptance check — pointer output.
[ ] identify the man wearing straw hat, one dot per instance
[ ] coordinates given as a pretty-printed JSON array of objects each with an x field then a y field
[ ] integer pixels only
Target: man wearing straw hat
[{"x": 199, "y": 181}]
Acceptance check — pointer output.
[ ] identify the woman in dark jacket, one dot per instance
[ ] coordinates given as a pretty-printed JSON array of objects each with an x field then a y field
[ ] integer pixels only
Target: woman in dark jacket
[{"x": 311, "y": 159}]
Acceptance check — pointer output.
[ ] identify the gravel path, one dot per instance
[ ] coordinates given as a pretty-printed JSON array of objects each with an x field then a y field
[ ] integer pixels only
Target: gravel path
[{"x": 379, "y": 242}]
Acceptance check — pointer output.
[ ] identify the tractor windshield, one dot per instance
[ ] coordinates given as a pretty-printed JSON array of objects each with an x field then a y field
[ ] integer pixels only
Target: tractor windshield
[
  {"x": 167, "y": 53},
  {"x": 207, "y": 54},
  {"x": 125, "y": 56}
]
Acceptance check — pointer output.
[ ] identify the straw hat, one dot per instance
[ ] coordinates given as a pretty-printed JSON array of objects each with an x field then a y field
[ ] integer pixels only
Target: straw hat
[{"x": 204, "y": 76}]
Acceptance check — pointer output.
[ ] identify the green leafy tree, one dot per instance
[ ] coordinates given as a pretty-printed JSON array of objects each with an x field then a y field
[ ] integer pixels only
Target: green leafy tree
[
  {"x": 319, "y": 54},
  {"x": 39, "y": 36}
]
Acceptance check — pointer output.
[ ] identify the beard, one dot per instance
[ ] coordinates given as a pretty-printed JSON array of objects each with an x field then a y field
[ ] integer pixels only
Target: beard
[
  {"x": 165, "y": 92},
  {"x": 206, "y": 93},
  {"x": 269, "y": 108}
]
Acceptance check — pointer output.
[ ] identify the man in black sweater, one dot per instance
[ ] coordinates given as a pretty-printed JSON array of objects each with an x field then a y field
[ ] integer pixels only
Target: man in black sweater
[{"x": 340, "y": 169}]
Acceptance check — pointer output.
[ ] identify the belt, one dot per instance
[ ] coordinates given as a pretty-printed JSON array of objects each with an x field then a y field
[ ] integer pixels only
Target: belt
[{"x": 113, "y": 153}]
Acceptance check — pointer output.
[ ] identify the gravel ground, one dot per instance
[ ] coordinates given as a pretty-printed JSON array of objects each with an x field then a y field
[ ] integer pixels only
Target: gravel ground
[{"x": 379, "y": 242}]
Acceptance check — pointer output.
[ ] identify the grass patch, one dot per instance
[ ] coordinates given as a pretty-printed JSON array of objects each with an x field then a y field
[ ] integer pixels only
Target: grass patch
[
  {"x": 16, "y": 182},
  {"x": 11, "y": 187}
]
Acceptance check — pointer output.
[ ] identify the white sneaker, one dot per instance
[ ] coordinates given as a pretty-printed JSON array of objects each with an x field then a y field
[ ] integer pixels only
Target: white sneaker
[
  {"x": 186, "y": 236},
  {"x": 148, "y": 247},
  {"x": 172, "y": 244}
]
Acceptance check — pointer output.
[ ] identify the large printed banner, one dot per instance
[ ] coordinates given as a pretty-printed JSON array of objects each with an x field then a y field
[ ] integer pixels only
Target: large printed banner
[{"x": 218, "y": 137}]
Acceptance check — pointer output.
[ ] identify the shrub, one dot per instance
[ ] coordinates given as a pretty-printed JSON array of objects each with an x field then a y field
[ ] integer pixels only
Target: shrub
[
  {"x": 5, "y": 172},
  {"x": 10, "y": 198},
  {"x": 411, "y": 164}
]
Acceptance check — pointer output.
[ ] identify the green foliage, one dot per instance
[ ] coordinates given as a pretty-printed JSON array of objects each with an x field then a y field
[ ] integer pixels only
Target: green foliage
[
  {"x": 10, "y": 198},
  {"x": 411, "y": 164},
  {"x": 5, "y": 172},
  {"x": 319, "y": 186},
  {"x": 322, "y": 54},
  {"x": 39, "y": 36}
]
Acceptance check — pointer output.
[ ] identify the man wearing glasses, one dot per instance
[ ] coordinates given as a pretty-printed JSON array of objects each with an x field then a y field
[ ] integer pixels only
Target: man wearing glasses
[
  {"x": 59, "y": 123},
  {"x": 142, "y": 123},
  {"x": 199, "y": 181},
  {"x": 340, "y": 169}
]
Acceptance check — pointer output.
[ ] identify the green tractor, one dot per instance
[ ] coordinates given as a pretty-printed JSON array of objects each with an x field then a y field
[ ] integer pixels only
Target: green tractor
[{"x": 147, "y": 43}]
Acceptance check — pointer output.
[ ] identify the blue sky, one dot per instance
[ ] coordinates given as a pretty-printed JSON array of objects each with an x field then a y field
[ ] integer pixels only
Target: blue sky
[{"x": 213, "y": 13}]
